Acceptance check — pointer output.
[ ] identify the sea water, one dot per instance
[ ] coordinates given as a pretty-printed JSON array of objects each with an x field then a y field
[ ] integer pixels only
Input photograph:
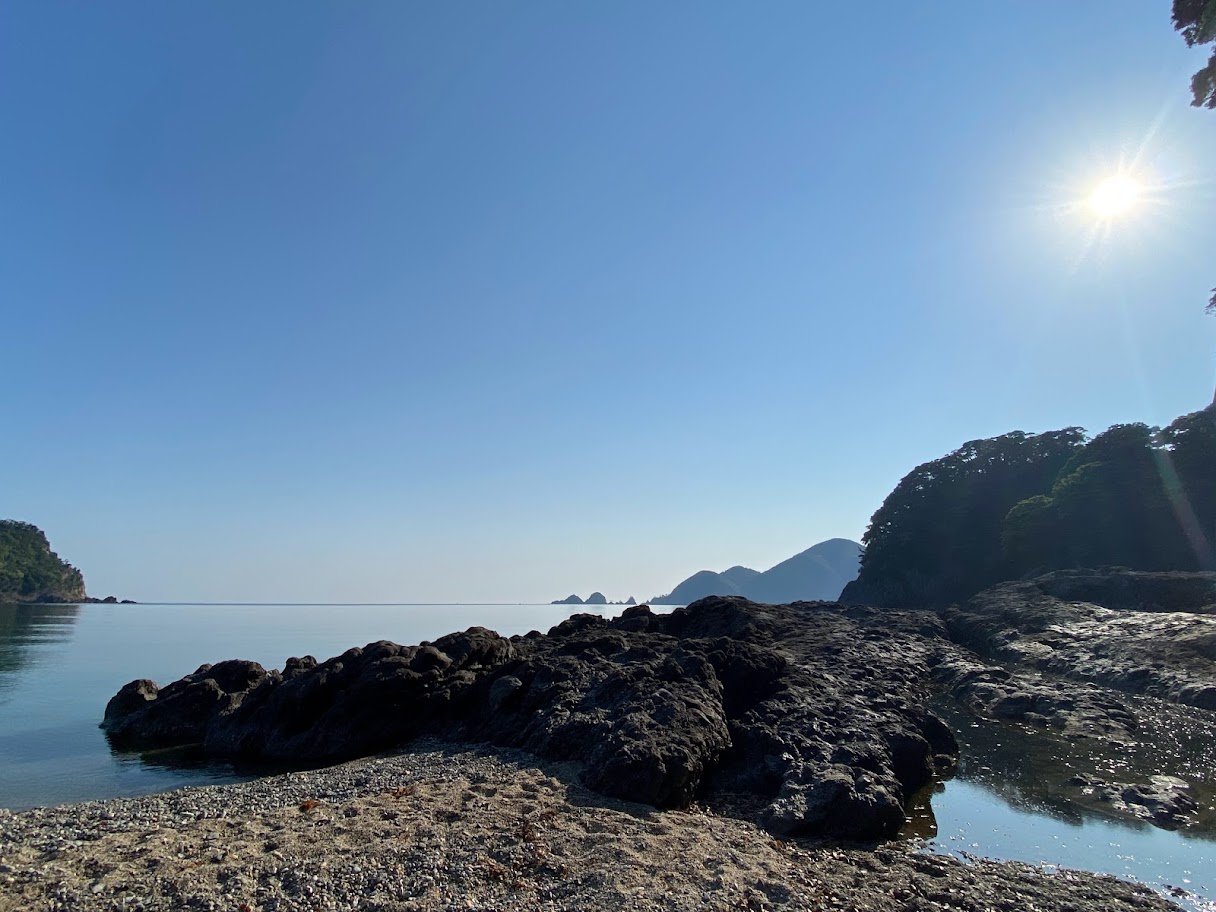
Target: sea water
[{"x": 59, "y": 665}]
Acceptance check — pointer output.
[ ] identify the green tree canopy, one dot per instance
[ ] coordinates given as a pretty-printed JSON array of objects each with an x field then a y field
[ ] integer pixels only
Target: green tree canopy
[
  {"x": 29, "y": 569},
  {"x": 1196, "y": 20},
  {"x": 1022, "y": 504},
  {"x": 937, "y": 536},
  {"x": 1108, "y": 506},
  {"x": 1190, "y": 480}
]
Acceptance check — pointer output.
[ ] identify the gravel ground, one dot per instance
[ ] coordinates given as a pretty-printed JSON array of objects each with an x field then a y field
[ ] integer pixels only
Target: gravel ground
[{"x": 446, "y": 829}]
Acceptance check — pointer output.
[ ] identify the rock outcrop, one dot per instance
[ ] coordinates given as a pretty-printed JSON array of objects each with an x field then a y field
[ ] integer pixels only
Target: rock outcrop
[
  {"x": 1068, "y": 708},
  {"x": 811, "y": 718},
  {"x": 810, "y": 715},
  {"x": 1135, "y": 632},
  {"x": 1163, "y": 800},
  {"x": 1116, "y": 669},
  {"x": 52, "y": 599}
]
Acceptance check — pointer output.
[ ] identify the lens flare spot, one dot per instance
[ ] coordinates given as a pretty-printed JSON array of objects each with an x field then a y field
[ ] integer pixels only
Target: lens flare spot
[{"x": 1116, "y": 195}]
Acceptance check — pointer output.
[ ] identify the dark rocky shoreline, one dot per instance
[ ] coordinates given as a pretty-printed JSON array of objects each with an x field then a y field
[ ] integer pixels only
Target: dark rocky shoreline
[
  {"x": 57, "y": 599},
  {"x": 751, "y": 705},
  {"x": 810, "y": 718}
]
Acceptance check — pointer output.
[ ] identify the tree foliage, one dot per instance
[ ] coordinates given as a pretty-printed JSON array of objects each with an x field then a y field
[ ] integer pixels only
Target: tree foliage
[
  {"x": 29, "y": 569},
  {"x": 1020, "y": 505},
  {"x": 937, "y": 536},
  {"x": 1196, "y": 20},
  {"x": 1106, "y": 507}
]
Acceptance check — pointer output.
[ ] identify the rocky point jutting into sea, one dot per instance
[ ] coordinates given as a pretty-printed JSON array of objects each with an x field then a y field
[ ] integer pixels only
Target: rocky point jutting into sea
[{"x": 811, "y": 721}]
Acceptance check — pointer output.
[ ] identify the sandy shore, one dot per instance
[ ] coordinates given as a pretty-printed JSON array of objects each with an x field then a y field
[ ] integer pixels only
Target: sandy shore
[{"x": 440, "y": 829}]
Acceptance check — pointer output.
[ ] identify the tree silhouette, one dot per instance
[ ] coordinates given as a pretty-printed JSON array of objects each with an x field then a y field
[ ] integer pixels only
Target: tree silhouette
[
  {"x": 1020, "y": 505},
  {"x": 1196, "y": 20},
  {"x": 937, "y": 536}
]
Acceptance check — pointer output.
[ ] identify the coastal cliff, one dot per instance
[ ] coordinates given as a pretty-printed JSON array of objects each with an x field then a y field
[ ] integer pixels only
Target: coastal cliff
[{"x": 30, "y": 571}]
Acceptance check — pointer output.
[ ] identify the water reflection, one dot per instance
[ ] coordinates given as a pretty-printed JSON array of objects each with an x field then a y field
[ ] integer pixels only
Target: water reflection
[
  {"x": 63, "y": 664},
  {"x": 1011, "y": 800},
  {"x": 25, "y": 633},
  {"x": 1032, "y": 769},
  {"x": 971, "y": 820}
]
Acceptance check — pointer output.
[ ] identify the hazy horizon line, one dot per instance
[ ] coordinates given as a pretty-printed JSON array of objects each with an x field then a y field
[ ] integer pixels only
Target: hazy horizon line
[{"x": 355, "y": 604}]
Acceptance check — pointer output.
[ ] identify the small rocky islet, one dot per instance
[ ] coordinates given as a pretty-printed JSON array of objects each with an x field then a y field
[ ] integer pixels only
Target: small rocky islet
[{"x": 813, "y": 722}]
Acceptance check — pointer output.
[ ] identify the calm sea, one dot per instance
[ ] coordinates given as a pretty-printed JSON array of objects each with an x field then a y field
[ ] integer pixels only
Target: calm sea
[{"x": 60, "y": 664}]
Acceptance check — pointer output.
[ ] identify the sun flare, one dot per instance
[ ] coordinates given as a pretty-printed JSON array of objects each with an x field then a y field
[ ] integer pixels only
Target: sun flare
[{"x": 1115, "y": 196}]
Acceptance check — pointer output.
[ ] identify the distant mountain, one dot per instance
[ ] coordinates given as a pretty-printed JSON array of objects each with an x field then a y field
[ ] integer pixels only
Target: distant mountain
[
  {"x": 820, "y": 572},
  {"x": 699, "y": 585},
  {"x": 740, "y": 576}
]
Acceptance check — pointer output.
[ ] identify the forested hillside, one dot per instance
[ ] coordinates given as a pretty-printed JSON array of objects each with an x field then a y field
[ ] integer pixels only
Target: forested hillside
[
  {"x": 1023, "y": 504},
  {"x": 30, "y": 570}
]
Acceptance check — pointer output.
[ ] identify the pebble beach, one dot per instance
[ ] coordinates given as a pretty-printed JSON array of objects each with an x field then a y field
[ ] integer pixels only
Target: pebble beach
[{"x": 448, "y": 828}]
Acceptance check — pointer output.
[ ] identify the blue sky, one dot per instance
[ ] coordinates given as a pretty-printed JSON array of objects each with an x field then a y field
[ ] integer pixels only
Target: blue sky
[{"x": 387, "y": 301}]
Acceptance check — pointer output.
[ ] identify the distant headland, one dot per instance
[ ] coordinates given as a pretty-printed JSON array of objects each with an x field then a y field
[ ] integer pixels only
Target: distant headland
[
  {"x": 31, "y": 572},
  {"x": 817, "y": 574}
]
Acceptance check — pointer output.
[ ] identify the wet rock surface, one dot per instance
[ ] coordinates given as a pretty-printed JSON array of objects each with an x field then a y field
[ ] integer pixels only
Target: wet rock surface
[
  {"x": 810, "y": 716},
  {"x": 1068, "y": 708},
  {"x": 1141, "y": 633},
  {"x": 1117, "y": 669},
  {"x": 1163, "y": 800}
]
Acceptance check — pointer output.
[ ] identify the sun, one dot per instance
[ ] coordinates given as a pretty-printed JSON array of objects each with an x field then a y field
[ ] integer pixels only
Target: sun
[{"x": 1116, "y": 196}]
